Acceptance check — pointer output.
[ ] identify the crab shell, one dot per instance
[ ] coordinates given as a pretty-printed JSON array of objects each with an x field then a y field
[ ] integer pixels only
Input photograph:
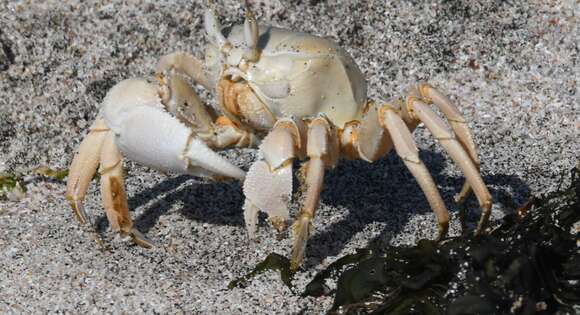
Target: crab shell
[{"x": 297, "y": 75}]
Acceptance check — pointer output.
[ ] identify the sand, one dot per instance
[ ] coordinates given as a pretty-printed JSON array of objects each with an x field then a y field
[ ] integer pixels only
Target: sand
[{"x": 512, "y": 68}]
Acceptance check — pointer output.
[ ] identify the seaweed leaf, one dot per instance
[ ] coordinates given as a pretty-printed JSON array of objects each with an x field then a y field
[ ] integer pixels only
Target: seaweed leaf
[
  {"x": 58, "y": 174},
  {"x": 272, "y": 262},
  {"x": 361, "y": 281},
  {"x": 317, "y": 287},
  {"x": 12, "y": 187}
]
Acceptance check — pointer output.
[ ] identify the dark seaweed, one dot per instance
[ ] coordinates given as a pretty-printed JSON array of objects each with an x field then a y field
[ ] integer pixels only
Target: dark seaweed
[{"x": 529, "y": 264}]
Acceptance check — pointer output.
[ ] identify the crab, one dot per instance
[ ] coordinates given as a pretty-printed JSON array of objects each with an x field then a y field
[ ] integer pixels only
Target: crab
[{"x": 293, "y": 95}]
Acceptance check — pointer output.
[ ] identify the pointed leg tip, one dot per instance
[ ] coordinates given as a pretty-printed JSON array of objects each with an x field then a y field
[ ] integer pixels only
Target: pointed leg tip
[
  {"x": 294, "y": 265},
  {"x": 251, "y": 233},
  {"x": 442, "y": 231},
  {"x": 459, "y": 200},
  {"x": 297, "y": 256},
  {"x": 141, "y": 239},
  {"x": 301, "y": 228},
  {"x": 79, "y": 211},
  {"x": 481, "y": 226},
  {"x": 480, "y": 229},
  {"x": 483, "y": 221},
  {"x": 462, "y": 196}
]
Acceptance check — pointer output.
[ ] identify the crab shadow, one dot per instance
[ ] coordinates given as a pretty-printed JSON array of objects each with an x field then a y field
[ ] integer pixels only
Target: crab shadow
[
  {"x": 217, "y": 203},
  {"x": 386, "y": 192},
  {"x": 382, "y": 192},
  {"x": 214, "y": 203}
]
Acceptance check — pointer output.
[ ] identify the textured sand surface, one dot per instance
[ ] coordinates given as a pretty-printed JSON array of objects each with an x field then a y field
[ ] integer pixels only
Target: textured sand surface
[{"x": 513, "y": 68}]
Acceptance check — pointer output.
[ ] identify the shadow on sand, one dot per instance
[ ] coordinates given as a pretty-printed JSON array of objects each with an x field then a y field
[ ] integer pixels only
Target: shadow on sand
[{"x": 384, "y": 191}]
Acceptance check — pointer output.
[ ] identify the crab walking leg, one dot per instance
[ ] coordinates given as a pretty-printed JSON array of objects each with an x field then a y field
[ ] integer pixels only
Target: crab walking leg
[
  {"x": 407, "y": 150},
  {"x": 454, "y": 116},
  {"x": 462, "y": 195},
  {"x": 184, "y": 63},
  {"x": 437, "y": 127},
  {"x": 371, "y": 140},
  {"x": 318, "y": 147},
  {"x": 268, "y": 184},
  {"x": 113, "y": 192},
  {"x": 84, "y": 167},
  {"x": 458, "y": 124}
]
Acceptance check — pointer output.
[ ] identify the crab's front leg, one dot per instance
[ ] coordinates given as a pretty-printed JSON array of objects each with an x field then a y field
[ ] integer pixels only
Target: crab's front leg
[
  {"x": 322, "y": 151},
  {"x": 134, "y": 123},
  {"x": 268, "y": 185},
  {"x": 98, "y": 148},
  {"x": 191, "y": 66},
  {"x": 184, "y": 63}
]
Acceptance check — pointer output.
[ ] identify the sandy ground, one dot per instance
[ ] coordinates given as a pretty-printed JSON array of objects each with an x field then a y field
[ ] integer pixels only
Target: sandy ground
[{"x": 511, "y": 66}]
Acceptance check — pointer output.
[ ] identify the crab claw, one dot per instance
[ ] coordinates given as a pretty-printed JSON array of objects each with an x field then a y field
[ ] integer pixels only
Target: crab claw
[
  {"x": 153, "y": 138},
  {"x": 268, "y": 191},
  {"x": 268, "y": 185}
]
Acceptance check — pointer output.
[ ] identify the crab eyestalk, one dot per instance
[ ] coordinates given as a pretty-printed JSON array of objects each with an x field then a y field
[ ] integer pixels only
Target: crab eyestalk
[
  {"x": 213, "y": 29},
  {"x": 251, "y": 35}
]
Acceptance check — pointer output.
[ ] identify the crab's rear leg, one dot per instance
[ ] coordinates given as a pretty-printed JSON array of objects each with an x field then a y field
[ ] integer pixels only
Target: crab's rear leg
[
  {"x": 406, "y": 149},
  {"x": 384, "y": 127},
  {"x": 431, "y": 95},
  {"x": 446, "y": 138}
]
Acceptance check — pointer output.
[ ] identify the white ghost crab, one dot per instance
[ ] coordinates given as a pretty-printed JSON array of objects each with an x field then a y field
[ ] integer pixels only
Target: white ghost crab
[{"x": 296, "y": 95}]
